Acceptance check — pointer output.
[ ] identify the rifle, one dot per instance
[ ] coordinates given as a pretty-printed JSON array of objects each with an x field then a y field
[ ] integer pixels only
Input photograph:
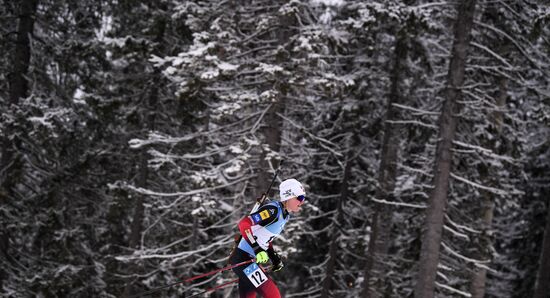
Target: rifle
[{"x": 260, "y": 201}]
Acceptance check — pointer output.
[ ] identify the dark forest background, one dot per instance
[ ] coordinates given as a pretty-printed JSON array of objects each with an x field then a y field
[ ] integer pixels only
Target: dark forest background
[{"x": 135, "y": 134}]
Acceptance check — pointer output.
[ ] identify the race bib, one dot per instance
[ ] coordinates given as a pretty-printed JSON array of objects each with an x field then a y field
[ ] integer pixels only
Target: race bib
[{"x": 255, "y": 274}]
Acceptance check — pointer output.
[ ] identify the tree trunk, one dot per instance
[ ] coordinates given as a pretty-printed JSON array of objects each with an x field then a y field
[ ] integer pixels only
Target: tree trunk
[
  {"x": 9, "y": 166},
  {"x": 4, "y": 254},
  {"x": 382, "y": 220},
  {"x": 479, "y": 278},
  {"x": 272, "y": 133},
  {"x": 273, "y": 123},
  {"x": 331, "y": 265},
  {"x": 18, "y": 88},
  {"x": 542, "y": 285},
  {"x": 22, "y": 55},
  {"x": 431, "y": 239},
  {"x": 139, "y": 208}
]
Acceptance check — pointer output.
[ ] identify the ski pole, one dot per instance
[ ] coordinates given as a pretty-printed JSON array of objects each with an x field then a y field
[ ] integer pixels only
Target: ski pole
[
  {"x": 191, "y": 279},
  {"x": 215, "y": 288},
  {"x": 266, "y": 269},
  {"x": 218, "y": 270}
]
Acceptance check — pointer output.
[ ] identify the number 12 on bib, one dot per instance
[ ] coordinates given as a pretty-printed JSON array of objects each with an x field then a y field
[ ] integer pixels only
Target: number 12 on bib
[{"x": 255, "y": 274}]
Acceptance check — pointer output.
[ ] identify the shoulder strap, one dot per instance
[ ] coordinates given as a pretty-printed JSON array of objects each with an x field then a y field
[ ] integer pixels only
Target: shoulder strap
[{"x": 279, "y": 211}]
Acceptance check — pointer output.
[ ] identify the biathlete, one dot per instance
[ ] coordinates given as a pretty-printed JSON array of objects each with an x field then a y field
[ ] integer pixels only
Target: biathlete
[{"x": 258, "y": 230}]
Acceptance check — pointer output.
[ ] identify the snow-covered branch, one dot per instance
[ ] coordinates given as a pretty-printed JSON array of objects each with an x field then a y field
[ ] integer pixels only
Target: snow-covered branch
[
  {"x": 495, "y": 55},
  {"x": 456, "y": 233},
  {"x": 461, "y": 227},
  {"x": 453, "y": 290},
  {"x": 414, "y": 122},
  {"x": 486, "y": 152},
  {"x": 477, "y": 185},
  {"x": 416, "y": 110},
  {"x": 148, "y": 192},
  {"x": 458, "y": 255},
  {"x": 330, "y": 146},
  {"x": 399, "y": 204}
]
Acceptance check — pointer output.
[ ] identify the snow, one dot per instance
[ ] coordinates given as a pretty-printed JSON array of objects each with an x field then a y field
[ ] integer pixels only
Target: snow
[
  {"x": 414, "y": 170},
  {"x": 400, "y": 204},
  {"x": 157, "y": 61},
  {"x": 477, "y": 185},
  {"x": 176, "y": 256},
  {"x": 404, "y": 183},
  {"x": 62, "y": 270},
  {"x": 462, "y": 257},
  {"x": 326, "y": 144},
  {"x": 106, "y": 26},
  {"x": 201, "y": 49},
  {"x": 235, "y": 149},
  {"x": 235, "y": 168},
  {"x": 170, "y": 70},
  {"x": 330, "y": 3},
  {"x": 456, "y": 233},
  {"x": 198, "y": 211},
  {"x": 155, "y": 137},
  {"x": 440, "y": 274},
  {"x": 78, "y": 96},
  {"x": 413, "y": 122},
  {"x": 326, "y": 17},
  {"x": 222, "y": 205},
  {"x": 415, "y": 110},
  {"x": 177, "y": 61},
  {"x": 118, "y": 41},
  {"x": 462, "y": 227},
  {"x": 210, "y": 74},
  {"x": 269, "y": 68},
  {"x": 289, "y": 8},
  {"x": 226, "y": 109},
  {"x": 178, "y": 194},
  {"x": 251, "y": 142},
  {"x": 451, "y": 289},
  {"x": 226, "y": 67},
  {"x": 487, "y": 152},
  {"x": 495, "y": 55},
  {"x": 48, "y": 118},
  {"x": 269, "y": 95},
  {"x": 304, "y": 44},
  {"x": 341, "y": 37}
]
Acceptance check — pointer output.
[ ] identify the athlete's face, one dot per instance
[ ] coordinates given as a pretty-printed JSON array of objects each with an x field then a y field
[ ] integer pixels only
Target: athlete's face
[{"x": 295, "y": 204}]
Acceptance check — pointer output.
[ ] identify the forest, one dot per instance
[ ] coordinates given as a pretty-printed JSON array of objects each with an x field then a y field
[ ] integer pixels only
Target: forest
[{"x": 136, "y": 134}]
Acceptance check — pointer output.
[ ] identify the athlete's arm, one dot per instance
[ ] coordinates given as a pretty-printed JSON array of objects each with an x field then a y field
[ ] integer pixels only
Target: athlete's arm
[
  {"x": 275, "y": 259},
  {"x": 264, "y": 216}
]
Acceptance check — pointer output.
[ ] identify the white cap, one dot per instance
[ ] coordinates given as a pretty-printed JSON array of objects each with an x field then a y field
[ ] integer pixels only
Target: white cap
[{"x": 291, "y": 188}]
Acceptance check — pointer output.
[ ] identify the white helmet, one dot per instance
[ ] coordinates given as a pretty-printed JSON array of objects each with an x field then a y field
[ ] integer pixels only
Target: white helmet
[{"x": 291, "y": 188}]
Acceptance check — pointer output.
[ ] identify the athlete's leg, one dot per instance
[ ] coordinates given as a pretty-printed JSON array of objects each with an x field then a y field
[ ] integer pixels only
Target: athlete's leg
[
  {"x": 246, "y": 288},
  {"x": 269, "y": 289},
  {"x": 245, "y": 291}
]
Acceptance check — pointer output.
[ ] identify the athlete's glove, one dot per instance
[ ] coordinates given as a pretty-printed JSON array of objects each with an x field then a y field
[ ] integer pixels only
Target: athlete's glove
[
  {"x": 261, "y": 257},
  {"x": 278, "y": 266},
  {"x": 275, "y": 260}
]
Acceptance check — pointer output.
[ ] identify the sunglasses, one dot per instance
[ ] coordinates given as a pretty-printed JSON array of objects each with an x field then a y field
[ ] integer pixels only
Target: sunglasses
[{"x": 301, "y": 198}]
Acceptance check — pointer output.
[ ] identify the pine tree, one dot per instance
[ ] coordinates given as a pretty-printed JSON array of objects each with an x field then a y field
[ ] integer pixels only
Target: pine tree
[{"x": 429, "y": 256}]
